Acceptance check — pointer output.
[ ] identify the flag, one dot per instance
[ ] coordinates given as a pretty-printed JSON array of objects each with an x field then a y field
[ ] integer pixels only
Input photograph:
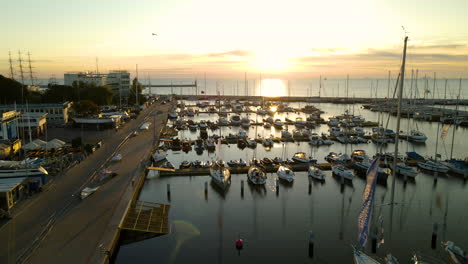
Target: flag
[
  {"x": 365, "y": 215},
  {"x": 444, "y": 131}
]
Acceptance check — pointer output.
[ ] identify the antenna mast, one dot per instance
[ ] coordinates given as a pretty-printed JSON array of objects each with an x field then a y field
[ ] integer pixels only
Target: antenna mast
[
  {"x": 97, "y": 66},
  {"x": 12, "y": 75}
]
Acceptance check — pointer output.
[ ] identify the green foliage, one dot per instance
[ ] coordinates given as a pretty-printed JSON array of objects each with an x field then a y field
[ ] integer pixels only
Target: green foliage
[
  {"x": 10, "y": 91},
  {"x": 136, "y": 87},
  {"x": 101, "y": 95},
  {"x": 85, "y": 108}
]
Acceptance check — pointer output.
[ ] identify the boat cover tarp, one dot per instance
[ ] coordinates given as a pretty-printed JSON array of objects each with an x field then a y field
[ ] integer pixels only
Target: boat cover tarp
[{"x": 414, "y": 155}]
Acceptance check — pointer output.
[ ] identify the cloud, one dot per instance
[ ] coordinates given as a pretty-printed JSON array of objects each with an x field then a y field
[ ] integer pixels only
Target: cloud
[{"x": 236, "y": 53}]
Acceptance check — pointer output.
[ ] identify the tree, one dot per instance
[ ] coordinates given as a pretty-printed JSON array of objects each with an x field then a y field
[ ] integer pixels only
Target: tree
[
  {"x": 136, "y": 87},
  {"x": 85, "y": 108},
  {"x": 10, "y": 91}
]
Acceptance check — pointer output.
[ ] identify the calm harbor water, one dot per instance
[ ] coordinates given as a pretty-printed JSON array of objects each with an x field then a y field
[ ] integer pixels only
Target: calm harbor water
[
  {"x": 365, "y": 87},
  {"x": 275, "y": 226}
]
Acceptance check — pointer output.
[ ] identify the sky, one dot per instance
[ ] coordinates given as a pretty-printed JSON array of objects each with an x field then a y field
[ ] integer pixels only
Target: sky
[{"x": 288, "y": 39}]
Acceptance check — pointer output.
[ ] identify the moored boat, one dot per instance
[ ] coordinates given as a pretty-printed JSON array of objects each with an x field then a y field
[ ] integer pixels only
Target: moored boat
[
  {"x": 220, "y": 175},
  {"x": 316, "y": 173},
  {"x": 285, "y": 173},
  {"x": 256, "y": 175}
]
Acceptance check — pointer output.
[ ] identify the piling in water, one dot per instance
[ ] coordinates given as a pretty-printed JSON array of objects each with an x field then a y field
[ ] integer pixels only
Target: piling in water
[
  {"x": 311, "y": 244},
  {"x": 242, "y": 188},
  {"x": 277, "y": 186},
  {"x": 168, "y": 191},
  {"x": 435, "y": 227}
]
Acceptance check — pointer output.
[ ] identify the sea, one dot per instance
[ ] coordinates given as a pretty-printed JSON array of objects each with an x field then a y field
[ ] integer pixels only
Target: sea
[
  {"x": 275, "y": 226},
  {"x": 324, "y": 87}
]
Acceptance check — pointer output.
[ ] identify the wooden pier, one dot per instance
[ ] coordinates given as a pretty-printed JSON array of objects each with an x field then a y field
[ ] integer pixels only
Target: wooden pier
[{"x": 147, "y": 217}]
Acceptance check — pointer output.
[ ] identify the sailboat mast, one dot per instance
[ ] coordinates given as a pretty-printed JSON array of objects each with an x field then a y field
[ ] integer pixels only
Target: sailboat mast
[
  {"x": 388, "y": 86},
  {"x": 400, "y": 94},
  {"x": 320, "y": 85},
  {"x": 455, "y": 119}
]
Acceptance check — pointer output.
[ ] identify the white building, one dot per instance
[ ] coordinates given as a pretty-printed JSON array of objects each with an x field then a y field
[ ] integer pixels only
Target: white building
[
  {"x": 118, "y": 81},
  {"x": 36, "y": 121},
  {"x": 57, "y": 114},
  {"x": 84, "y": 77},
  {"x": 9, "y": 125}
]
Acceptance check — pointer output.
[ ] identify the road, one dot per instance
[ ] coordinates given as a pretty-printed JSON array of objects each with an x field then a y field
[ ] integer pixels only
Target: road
[{"x": 60, "y": 228}]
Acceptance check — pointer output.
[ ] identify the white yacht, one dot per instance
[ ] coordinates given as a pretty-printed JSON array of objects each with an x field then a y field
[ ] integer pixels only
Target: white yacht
[
  {"x": 256, "y": 175},
  {"x": 159, "y": 155},
  {"x": 417, "y": 136},
  {"x": 342, "y": 171},
  {"x": 285, "y": 173},
  {"x": 316, "y": 173},
  {"x": 220, "y": 175},
  {"x": 333, "y": 122},
  {"x": 300, "y": 157},
  {"x": 245, "y": 122}
]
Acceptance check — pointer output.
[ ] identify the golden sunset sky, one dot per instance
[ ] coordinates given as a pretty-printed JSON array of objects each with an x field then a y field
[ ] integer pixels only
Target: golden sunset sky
[{"x": 362, "y": 38}]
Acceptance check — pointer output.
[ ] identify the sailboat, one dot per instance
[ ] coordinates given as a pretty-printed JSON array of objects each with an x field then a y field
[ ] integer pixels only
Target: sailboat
[
  {"x": 220, "y": 175},
  {"x": 365, "y": 215}
]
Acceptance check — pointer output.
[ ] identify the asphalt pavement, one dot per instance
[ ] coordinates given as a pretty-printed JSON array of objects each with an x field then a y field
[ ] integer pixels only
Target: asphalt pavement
[{"x": 57, "y": 227}]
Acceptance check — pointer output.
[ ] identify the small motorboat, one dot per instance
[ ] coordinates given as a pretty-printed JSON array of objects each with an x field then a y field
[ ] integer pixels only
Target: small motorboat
[
  {"x": 417, "y": 136},
  {"x": 172, "y": 115},
  {"x": 256, "y": 175},
  {"x": 277, "y": 160},
  {"x": 267, "y": 142},
  {"x": 286, "y": 134},
  {"x": 269, "y": 120},
  {"x": 285, "y": 173},
  {"x": 266, "y": 125},
  {"x": 206, "y": 164},
  {"x": 159, "y": 155},
  {"x": 233, "y": 163},
  {"x": 261, "y": 111},
  {"x": 210, "y": 144},
  {"x": 245, "y": 122},
  {"x": 297, "y": 133},
  {"x": 342, "y": 171},
  {"x": 242, "y": 163},
  {"x": 266, "y": 162},
  {"x": 197, "y": 164},
  {"x": 223, "y": 122},
  {"x": 220, "y": 175},
  {"x": 192, "y": 127},
  {"x": 202, "y": 125},
  {"x": 316, "y": 173},
  {"x": 278, "y": 124},
  {"x": 251, "y": 143},
  {"x": 185, "y": 164},
  {"x": 300, "y": 123},
  {"x": 241, "y": 143},
  {"x": 235, "y": 120},
  {"x": 300, "y": 157}
]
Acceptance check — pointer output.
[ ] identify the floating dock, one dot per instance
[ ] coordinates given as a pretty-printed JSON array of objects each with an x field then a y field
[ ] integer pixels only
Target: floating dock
[{"x": 241, "y": 170}]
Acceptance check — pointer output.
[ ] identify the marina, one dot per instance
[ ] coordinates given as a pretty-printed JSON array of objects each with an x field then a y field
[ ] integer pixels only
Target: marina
[{"x": 328, "y": 206}]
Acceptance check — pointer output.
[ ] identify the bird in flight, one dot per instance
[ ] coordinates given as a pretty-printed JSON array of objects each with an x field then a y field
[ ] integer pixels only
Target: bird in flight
[{"x": 154, "y": 34}]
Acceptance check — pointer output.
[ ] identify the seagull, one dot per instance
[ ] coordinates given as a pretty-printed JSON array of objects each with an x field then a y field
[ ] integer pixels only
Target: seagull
[{"x": 154, "y": 34}]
